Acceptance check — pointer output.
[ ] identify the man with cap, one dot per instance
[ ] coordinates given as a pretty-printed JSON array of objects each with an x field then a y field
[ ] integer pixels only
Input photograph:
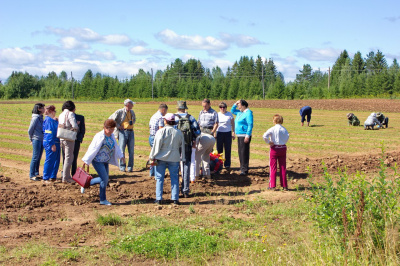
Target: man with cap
[
  {"x": 156, "y": 123},
  {"x": 190, "y": 129},
  {"x": 208, "y": 118},
  {"x": 384, "y": 120},
  {"x": 168, "y": 150},
  {"x": 125, "y": 118}
]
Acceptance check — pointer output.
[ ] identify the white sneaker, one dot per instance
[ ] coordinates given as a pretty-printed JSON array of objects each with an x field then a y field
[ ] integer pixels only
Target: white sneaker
[
  {"x": 105, "y": 202},
  {"x": 82, "y": 190}
]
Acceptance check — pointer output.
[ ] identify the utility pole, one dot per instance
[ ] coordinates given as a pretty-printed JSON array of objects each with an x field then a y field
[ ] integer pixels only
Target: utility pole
[
  {"x": 262, "y": 75},
  {"x": 72, "y": 81},
  {"x": 329, "y": 77},
  {"x": 152, "y": 84}
]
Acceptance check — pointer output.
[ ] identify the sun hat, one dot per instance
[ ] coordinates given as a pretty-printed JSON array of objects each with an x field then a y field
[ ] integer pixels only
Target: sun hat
[
  {"x": 128, "y": 101},
  {"x": 169, "y": 117},
  {"x": 182, "y": 105}
]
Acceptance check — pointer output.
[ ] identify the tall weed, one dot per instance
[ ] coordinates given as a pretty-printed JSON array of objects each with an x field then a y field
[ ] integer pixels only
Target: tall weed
[{"x": 362, "y": 212}]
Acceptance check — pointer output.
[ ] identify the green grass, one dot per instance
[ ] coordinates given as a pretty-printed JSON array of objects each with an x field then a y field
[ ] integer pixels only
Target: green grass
[{"x": 109, "y": 219}]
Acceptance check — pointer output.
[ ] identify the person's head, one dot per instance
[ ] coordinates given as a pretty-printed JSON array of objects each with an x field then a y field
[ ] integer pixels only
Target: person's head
[
  {"x": 350, "y": 116},
  {"x": 38, "y": 109},
  {"x": 278, "y": 119},
  {"x": 242, "y": 105},
  {"x": 109, "y": 126},
  {"x": 206, "y": 104},
  {"x": 128, "y": 103},
  {"x": 222, "y": 107},
  {"x": 169, "y": 119},
  {"x": 163, "y": 108},
  {"x": 69, "y": 105},
  {"x": 181, "y": 106},
  {"x": 378, "y": 114},
  {"x": 50, "y": 110},
  {"x": 373, "y": 114}
]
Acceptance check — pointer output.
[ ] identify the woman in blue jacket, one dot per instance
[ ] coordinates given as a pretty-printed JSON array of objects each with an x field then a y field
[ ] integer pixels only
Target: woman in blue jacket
[
  {"x": 51, "y": 145},
  {"x": 35, "y": 133},
  {"x": 243, "y": 130}
]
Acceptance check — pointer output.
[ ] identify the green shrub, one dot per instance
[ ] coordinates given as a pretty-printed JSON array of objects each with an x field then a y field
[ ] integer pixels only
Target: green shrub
[{"x": 362, "y": 213}]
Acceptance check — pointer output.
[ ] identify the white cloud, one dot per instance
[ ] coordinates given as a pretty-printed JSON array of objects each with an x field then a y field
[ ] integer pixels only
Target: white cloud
[
  {"x": 88, "y": 35},
  {"x": 212, "y": 45},
  {"x": 195, "y": 42},
  {"x": 315, "y": 54},
  {"x": 104, "y": 55},
  {"x": 141, "y": 50},
  {"x": 70, "y": 43},
  {"x": 16, "y": 56},
  {"x": 240, "y": 40}
]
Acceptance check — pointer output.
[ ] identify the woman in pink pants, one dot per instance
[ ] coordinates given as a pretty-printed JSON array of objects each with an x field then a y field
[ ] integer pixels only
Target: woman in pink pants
[{"x": 276, "y": 137}]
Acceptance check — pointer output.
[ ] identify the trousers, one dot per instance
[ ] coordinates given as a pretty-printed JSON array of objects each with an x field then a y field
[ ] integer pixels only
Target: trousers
[
  {"x": 277, "y": 153},
  {"x": 52, "y": 161}
]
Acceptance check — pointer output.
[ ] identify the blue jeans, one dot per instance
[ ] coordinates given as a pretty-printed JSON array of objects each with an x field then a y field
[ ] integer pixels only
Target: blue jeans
[
  {"x": 37, "y": 146},
  {"x": 186, "y": 170},
  {"x": 102, "y": 179},
  {"x": 173, "y": 168},
  {"x": 127, "y": 138},
  {"x": 52, "y": 161},
  {"x": 152, "y": 168}
]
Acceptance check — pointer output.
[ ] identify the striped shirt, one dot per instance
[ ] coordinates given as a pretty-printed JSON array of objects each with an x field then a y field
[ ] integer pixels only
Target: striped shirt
[{"x": 208, "y": 118}]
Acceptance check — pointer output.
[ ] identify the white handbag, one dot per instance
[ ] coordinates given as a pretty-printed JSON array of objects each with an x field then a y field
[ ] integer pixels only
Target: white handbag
[{"x": 66, "y": 132}]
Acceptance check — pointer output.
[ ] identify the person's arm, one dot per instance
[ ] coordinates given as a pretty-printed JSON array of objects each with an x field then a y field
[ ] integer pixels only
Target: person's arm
[
  {"x": 72, "y": 120},
  {"x": 82, "y": 127},
  {"x": 157, "y": 144},
  {"x": 249, "y": 120},
  {"x": 234, "y": 110},
  {"x": 31, "y": 128},
  {"x": 233, "y": 126},
  {"x": 133, "y": 117},
  {"x": 214, "y": 128}
]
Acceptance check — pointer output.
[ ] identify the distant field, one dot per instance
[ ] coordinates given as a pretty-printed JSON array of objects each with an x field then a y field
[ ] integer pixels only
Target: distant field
[{"x": 328, "y": 135}]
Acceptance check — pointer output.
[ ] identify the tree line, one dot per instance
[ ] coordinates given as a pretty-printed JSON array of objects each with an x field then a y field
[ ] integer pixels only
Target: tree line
[{"x": 247, "y": 78}]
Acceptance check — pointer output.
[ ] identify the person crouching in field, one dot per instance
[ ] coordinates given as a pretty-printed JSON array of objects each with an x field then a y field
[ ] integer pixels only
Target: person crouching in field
[
  {"x": 384, "y": 120},
  {"x": 276, "y": 137},
  {"x": 102, "y": 151},
  {"x": 371, "y": 122},
  {"x": 353, "y": 120},
  {"x": 51, "y": 145}
]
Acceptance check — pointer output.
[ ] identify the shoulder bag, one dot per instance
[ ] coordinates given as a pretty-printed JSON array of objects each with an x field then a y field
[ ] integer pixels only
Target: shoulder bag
[{"x": 66, "y": 132}]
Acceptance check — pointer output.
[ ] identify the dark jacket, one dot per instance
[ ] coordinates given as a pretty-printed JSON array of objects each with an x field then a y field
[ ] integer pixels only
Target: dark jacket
[{"x": 81, "y": 125}]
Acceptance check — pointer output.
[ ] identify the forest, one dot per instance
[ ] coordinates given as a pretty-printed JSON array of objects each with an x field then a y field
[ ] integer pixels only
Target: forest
[{"x": 248, "y": 78}]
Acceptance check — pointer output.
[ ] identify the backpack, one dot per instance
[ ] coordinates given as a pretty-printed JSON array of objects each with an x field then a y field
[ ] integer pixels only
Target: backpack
[{"x": 184, "y": 127}]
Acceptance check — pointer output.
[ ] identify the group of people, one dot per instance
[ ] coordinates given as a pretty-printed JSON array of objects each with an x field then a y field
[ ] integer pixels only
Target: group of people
[
  {"x": 43, "y": 136},
  {"x": 377, "y": 120},
  {"x": 177, "y": 141}
]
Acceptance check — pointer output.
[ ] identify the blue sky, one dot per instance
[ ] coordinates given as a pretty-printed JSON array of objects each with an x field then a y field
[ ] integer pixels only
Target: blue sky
[{"x": 118, "y": 38}]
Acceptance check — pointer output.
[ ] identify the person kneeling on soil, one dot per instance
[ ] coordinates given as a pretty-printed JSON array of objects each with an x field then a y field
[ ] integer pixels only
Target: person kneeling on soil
[
  {"x": 103, "y": 150},
  {"x": 277, "y": 137},
  {"x": 353, "y": 120},
  {"x": 371, "y": 122},
  {"x": 384, "y": 120}
]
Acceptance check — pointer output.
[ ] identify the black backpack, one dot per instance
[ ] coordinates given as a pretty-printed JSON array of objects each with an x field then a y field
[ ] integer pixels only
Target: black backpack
[{"x": 184, "y": 127}]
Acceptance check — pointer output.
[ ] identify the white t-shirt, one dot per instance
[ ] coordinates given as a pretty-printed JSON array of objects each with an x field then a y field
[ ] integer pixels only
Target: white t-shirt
[{"x": 225, "y": 122}]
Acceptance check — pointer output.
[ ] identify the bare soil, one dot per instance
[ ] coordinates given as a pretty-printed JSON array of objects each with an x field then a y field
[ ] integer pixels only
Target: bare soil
[{"x": 60, "y": 215}]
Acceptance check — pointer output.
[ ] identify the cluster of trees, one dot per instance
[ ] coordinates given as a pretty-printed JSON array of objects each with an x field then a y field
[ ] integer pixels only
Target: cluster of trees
[{"x": 247, "y": 78}]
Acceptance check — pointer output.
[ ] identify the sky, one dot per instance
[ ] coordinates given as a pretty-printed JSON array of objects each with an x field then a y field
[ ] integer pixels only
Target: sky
[{"x": 117, "y": 38}]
